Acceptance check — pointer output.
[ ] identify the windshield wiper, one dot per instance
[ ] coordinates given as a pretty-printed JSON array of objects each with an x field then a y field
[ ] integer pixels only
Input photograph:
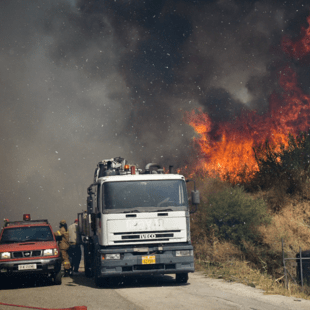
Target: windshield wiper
[
  {"x": 38, "y": 239},
  {"x": 132, "y": 211},
  {"x": 163, "y": 210}
]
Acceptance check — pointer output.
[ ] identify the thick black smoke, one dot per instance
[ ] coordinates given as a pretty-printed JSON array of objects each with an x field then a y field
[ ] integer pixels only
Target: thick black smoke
[{"x": 82, "y": 81}]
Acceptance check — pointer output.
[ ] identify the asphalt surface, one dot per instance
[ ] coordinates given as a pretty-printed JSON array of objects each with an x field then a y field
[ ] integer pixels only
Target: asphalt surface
[{"x": 157, "y": 292}]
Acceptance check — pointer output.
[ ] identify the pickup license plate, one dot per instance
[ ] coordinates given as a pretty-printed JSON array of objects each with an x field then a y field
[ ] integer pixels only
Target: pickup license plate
[
  {"x": 146, "y": 260},
  {"x": 27, "y": 267}
]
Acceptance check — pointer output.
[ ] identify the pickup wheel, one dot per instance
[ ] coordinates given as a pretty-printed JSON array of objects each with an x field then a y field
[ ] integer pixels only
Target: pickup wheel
[
  {"x": 181, "y": 277},
  {"x": 57, "y": 278}
]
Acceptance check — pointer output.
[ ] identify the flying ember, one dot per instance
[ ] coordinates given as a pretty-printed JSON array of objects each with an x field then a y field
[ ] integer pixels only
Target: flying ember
[{"x": 226, "y": 150}]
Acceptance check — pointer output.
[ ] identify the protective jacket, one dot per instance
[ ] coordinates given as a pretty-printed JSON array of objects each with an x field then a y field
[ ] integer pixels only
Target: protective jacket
[{"x": 63, "y": 238}]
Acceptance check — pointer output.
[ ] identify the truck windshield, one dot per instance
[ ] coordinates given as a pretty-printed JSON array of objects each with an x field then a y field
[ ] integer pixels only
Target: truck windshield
[
  {"x": 26, "y": 234},
  {"x": 135, "y": 194}
]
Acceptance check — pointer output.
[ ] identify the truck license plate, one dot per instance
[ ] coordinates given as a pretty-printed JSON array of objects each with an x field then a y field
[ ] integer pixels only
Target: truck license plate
[
  {"x": 27, "y": 267},
  {"x": 148, "y": 260}
]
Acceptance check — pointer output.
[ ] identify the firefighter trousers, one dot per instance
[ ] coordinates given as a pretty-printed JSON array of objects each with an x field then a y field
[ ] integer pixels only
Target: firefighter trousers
[{"x": 65, "y": 259}]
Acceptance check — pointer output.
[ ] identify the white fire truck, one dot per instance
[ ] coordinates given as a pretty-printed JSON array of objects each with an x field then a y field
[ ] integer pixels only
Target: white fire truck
[{"x": 137, "y": 222}]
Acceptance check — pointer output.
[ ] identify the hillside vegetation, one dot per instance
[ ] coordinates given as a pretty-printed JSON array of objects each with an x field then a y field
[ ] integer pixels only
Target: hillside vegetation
[{"x": 238, "y": 228}]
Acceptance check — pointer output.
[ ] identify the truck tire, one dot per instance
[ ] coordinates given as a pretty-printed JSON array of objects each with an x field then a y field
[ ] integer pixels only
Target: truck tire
[
  {"x": 99, "y": 281},
  {"x": 57, "y": 278},
  {"x": 181, "y": 277}
]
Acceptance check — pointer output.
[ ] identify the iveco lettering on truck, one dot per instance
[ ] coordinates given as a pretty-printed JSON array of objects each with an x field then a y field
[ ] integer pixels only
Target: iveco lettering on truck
[{"x": 137, "y": 222}]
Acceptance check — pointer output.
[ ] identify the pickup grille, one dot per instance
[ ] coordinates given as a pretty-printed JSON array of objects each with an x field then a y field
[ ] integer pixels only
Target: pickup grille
[{"x": 25, "y": 254}]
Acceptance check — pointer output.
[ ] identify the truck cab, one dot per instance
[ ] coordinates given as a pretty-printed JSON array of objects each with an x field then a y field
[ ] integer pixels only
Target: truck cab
[
  {"x": 137, "y": 222},
  {"x": 29, "y": 247}
]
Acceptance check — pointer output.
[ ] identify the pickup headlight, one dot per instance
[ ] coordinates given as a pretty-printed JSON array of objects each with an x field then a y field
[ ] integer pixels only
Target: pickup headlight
[
  {"x": 5, "y": 255},
  {"x": 184, "y": 253},
  {"x": 50, "y": 252},
  {"x": 112, "y": 256}
]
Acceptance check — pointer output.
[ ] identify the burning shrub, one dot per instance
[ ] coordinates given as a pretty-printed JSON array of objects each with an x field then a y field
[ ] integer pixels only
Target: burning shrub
[
  {"x": 235, "y": 216},
  {"x": 286, "y": 170}
]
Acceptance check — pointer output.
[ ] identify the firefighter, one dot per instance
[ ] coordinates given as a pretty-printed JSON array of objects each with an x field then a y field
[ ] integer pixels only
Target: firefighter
[
  {"x": 62, "y": 236},
  {"x": 75, "y": 247}
]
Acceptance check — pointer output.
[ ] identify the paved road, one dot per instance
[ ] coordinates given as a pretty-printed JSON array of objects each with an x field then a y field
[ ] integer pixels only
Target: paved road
[{"x": 148, "y": 293}]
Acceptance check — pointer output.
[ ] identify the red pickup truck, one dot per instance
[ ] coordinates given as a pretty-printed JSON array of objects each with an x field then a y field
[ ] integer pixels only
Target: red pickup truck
[{"x": 29, "y": 247}]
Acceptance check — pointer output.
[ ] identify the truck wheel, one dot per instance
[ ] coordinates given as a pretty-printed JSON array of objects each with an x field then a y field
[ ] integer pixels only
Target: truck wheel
[
  {"x": 57, "y": 278},
  {"x": 181, "y": 277}
]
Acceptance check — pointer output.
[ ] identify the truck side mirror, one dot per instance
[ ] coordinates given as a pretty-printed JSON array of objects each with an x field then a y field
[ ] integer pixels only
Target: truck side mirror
[
  {"x": 195, "y": 200},
  {"x": 195, "y": 197}
]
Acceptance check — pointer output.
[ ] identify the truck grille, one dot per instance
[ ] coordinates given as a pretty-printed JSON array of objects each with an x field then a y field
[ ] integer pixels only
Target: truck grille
[
  {"x": 26, "y": 254},
  {"x": 143, "y": 236},
  {"x": 149, "y": 267}
]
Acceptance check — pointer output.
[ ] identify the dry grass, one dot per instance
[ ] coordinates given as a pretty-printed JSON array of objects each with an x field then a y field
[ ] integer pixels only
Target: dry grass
[
  {"x": 242, "y": 272},
  {"x": 291, "y": 222},
  {"x": 210, "y": 249}
]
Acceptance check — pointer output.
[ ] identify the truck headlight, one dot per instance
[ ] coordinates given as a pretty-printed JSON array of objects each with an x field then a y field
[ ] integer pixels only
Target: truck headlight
[
  {"x": 112, "y": 256},
  {"x": 50, "y": 252},
  {"x": 184, "y": 253},
  {"x": 5, "y": 255}
]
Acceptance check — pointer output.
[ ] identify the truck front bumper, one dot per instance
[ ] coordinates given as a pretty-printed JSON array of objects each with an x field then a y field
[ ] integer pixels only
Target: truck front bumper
[
  {"x": 33, "y": 266},
  {"x": 157, "y": 260}
]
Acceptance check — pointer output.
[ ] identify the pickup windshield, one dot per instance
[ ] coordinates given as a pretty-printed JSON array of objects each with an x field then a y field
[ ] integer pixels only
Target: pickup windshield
[
  {"x": 145, "y": 194},
  {"x": 26, "y": 234}
]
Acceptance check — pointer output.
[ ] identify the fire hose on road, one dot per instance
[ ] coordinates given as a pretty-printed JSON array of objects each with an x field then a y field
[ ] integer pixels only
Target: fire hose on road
[{"x": 28, "y": 307}]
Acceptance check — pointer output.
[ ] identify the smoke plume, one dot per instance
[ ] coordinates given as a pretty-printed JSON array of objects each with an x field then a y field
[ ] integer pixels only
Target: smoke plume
[{"x": 82, "y": 81}]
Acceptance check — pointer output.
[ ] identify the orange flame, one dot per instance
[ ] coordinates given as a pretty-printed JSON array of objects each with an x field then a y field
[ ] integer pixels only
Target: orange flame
[{"x": 227, "y": 150}]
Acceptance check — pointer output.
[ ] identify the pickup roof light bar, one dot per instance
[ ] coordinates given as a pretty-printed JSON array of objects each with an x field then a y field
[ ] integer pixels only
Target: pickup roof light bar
[{"x": 26, "y": 217}]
